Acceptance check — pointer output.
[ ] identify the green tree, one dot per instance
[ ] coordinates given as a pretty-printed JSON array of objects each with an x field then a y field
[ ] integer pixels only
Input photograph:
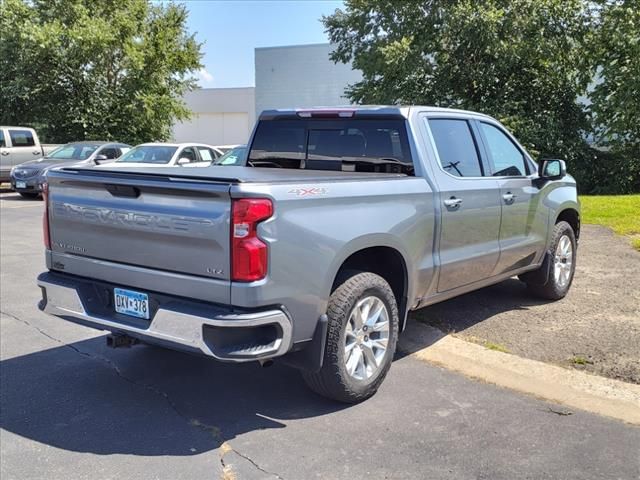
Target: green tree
[
  {"x": 517, "y": 60},
  {"x": 615, "y": 49},
  {"x": 95, "y": 69},
  {"x": 612, "y": 55}
]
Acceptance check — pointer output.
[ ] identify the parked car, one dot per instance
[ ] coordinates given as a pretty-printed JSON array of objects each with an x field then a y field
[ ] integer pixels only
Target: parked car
[
  {"x": 365, "y": 214},
  {"x": 19, "y": 145},
  {"x": 169, "y": 155},
  {"x": 28, "y": 177},
  {"x": 235, "y": 156},
  {"x": 225, "y": 148}
]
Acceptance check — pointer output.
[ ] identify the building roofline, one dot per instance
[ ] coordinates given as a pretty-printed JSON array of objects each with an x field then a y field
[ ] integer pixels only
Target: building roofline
[{"x": 304, "y": 45}]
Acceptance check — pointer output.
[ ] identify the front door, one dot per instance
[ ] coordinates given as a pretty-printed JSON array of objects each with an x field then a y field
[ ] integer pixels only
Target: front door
[
  {"x": 470, "y": 205},
  {"x": 524, "y": 219}
]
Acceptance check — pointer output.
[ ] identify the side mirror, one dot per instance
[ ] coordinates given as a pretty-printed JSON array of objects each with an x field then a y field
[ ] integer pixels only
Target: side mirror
[
  {"x": 100, "y": 158},
  {"x": 552, "y": 169},
  {"x": 183, "y": 161}
]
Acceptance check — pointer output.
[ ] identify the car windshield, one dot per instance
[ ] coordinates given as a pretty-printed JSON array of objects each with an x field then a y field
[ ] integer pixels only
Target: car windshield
[
  {"x": 73, "y": 151},
  {"x": 235, "y": 156},
  {"x": 160, "y": 154}
]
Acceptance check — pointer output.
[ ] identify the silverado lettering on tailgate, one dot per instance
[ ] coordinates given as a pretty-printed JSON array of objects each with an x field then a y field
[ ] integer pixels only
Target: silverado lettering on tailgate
[{"x": 200, "y": 227}]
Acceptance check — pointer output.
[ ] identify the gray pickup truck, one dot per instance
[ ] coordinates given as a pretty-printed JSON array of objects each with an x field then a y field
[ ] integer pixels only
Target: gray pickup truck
[{"x": 341, "y": 222}]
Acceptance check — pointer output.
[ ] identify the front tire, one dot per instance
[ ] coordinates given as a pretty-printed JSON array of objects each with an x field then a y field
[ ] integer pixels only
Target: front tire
[
  {"x": 361, "y": 339},
  {"x": 562, "y": 255}
]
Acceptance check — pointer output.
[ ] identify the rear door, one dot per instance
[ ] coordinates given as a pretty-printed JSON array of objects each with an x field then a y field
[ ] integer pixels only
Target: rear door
[
  {"x": 524, "y": 220},
  {"x": 23, "y": 146},
  {"x": 470, "y": 204},
  {"x": 140, "y": 221}
]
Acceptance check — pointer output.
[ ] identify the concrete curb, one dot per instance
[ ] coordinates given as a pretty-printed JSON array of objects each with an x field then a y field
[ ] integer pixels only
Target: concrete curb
[{"x": 604, "y": 396}]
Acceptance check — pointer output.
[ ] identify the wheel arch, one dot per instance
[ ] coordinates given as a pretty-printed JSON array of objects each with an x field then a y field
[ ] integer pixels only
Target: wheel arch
[
  {"x": 383, "y": 259},
  {"x": 570, "y": 215}
]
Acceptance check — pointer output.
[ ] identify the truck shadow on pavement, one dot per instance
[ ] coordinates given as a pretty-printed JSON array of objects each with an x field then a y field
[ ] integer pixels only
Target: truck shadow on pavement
[
  {"x": 150, "y": 401},
  {"x": 147, "y": 401}
]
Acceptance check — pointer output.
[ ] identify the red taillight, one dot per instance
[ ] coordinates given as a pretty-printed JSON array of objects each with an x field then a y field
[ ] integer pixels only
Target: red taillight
[
  {"x": 45, "y": 216},
  {"x": 248, "y": 253}
]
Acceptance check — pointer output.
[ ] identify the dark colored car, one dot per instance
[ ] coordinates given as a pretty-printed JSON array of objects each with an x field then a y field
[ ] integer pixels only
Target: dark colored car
[{"x": 28, "y": 177}]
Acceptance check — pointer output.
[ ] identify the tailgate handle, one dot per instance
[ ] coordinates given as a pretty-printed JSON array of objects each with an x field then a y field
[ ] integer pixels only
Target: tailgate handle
[{"x": 123, "y": 191}]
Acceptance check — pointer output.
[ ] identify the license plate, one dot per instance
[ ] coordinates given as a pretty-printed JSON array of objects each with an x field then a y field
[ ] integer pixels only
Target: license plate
[
  {"x": 21, "y": 184},
  {"x": 131, "y": 303}
]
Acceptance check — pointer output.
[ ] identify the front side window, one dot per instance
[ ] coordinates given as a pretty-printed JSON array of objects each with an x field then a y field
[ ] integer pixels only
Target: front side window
[
  {"x": 109, "y": 152},
  {"x": 159, "y": 154},
  {"x": 456, "y": 147},
  {"x": 190, "y": 154},
  {"x": 506, "y": 158},
  {"x": 72, "y": 152},
  {"x": 22, "y": 138}
]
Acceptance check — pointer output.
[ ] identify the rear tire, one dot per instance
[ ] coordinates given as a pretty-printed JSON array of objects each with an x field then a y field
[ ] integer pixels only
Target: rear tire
[
  {"x": 562, "y": 253},
  {"x": 30, "y": 195},
  {"x": 360, "y": 345}
]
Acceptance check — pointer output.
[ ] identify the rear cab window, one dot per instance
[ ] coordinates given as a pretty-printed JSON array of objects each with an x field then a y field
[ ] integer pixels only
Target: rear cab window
[{"x": 345, "y": 144}]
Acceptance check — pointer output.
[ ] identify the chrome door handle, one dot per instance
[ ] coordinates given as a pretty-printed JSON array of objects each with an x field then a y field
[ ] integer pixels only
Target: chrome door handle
[
  {"x": 509, "y": 198},
  {"x": 37, "y": 153},
  {"x": 453, "y": 202},
  {"x": 5, "y": 153}
]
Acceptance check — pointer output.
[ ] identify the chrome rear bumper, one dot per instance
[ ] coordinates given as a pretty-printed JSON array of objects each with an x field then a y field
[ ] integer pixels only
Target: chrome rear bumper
[{"x": 215, "y": 332}]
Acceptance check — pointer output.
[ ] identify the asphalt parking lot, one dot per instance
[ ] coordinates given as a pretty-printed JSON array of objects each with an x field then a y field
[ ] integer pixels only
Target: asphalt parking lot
[{"x": 72, "y": 409}]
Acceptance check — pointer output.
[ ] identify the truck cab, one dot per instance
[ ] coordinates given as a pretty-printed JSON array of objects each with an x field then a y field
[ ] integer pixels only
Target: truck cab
[{"x": 17, "y": 145}]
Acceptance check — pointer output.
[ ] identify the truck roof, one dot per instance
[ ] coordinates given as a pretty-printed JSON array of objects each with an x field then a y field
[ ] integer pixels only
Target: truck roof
[{"x": 361, "y": 111}]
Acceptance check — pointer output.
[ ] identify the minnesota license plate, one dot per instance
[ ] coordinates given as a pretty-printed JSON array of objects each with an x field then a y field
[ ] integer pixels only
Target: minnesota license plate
[
  {"x": 21, "y": 184},
  {"x": 131, "y": 303}
]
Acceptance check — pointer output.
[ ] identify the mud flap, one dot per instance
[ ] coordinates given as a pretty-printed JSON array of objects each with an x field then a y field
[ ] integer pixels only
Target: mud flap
[
  {"x": 311, "y": 356},
  {"x": 540, "y": 276}
]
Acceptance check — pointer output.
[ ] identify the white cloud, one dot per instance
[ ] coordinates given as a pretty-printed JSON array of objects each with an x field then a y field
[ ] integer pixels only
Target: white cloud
[{"x": 204, "y": 76}]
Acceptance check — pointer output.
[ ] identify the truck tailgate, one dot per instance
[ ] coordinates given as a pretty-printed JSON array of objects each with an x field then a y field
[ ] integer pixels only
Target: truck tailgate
[{"x": 166, "y": 224}]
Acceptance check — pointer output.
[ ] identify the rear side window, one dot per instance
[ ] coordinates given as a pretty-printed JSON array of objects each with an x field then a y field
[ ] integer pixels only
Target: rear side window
[
  {"x": 506, "y": 158},
  {"x": 2, "y": 144},
  {"x": 456, "y": 147},
  {"x": 206, "y": 154},
  {"x": 21, "y": 138},
  {"x": 346, "y": 144}
]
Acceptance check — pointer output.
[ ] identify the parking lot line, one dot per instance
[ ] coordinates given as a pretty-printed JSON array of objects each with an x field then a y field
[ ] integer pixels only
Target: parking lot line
[{"x": 3, "y": 204}]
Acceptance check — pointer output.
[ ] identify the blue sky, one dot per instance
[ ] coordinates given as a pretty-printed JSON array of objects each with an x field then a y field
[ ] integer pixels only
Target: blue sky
[{"x": 231, "y": 30}]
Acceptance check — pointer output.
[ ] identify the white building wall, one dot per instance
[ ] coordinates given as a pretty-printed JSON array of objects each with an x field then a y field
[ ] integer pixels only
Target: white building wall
[
  {"x": 221, "y": 116},
  {"x": 300, "y": 76}
]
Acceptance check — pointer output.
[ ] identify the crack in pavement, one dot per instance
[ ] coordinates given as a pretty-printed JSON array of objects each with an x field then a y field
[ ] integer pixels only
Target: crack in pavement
[{"x": 211, "y": 429}]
